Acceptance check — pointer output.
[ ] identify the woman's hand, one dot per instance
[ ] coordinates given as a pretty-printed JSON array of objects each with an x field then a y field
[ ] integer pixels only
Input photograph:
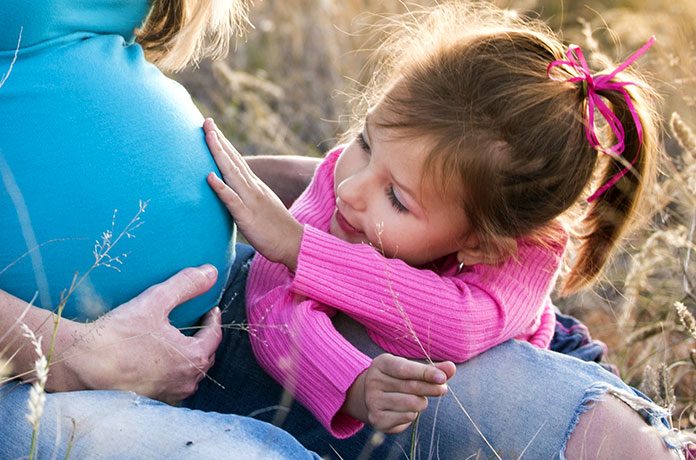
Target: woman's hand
[
  {"x": 135, "y": 348},
  {"x": 391, "y": 393},
  {"x": 257, "y": 211}
]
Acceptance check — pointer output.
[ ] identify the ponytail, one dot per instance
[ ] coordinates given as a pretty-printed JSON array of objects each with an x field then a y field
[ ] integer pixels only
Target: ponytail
[{"x": 611, "y": 214}]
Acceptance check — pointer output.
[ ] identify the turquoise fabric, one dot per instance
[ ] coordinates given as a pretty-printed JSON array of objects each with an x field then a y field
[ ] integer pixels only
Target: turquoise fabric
[{"x": 88, "y": 126}]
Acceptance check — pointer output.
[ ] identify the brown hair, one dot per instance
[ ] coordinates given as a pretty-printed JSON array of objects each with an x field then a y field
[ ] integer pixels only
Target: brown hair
[
  {"x": 474, "y": 80},
  {"x": 177, "y": 32}
]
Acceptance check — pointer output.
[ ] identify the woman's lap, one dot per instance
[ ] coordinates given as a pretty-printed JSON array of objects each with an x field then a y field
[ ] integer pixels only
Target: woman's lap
[
  {"x": 515, "y": 397},
  {"x": 520, "y": 399},
  {"x": 123, "y": 425}
]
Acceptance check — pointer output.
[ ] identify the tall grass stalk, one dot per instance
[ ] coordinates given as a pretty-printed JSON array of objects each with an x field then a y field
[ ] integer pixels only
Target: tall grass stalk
[{"x": 37, "y": 393}]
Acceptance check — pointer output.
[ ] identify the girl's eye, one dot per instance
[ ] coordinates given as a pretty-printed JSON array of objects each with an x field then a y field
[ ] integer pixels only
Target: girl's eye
[
  {"x": 395, "y": 201},
  {"x": 362, "y": 142}
]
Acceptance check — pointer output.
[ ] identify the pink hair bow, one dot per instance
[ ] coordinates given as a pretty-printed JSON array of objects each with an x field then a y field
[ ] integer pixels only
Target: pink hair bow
[{"x": 594, "y": 84}]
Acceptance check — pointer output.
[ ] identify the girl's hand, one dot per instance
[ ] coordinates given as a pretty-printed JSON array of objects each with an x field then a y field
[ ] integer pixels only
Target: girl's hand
[
  {"x": 257, "y": 211},
  {"x": 391, "y": 393},
  {"x": 135, "y": 348}
]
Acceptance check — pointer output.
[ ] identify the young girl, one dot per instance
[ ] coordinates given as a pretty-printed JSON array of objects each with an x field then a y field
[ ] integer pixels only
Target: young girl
[{"x": 441, "y": 225}]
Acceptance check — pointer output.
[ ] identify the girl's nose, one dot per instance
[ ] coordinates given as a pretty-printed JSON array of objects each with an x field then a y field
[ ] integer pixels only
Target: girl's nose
[{"x": 353, "y": 191}]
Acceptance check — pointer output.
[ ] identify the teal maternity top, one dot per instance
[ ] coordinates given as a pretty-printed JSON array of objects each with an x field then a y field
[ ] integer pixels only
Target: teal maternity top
[{"x": 89, "y": 130}]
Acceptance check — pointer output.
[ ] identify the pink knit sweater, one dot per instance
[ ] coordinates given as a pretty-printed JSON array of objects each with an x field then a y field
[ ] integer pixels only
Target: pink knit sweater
[{"x": 412, "y": 312}]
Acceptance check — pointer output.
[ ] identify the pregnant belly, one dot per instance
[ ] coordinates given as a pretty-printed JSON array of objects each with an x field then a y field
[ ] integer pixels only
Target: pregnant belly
[{"x": 104, "y": 166}]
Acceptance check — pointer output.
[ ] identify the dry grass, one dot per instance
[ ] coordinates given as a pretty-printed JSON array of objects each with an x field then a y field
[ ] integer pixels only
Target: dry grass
[{"x": 284, "y": 91}]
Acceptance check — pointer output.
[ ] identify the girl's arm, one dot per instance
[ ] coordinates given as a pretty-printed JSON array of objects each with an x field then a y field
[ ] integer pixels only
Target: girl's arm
[
  {"x": 133, "y": 347},
  {"x": 418, "y": 313},
  {"x": 295, "y": 342}
]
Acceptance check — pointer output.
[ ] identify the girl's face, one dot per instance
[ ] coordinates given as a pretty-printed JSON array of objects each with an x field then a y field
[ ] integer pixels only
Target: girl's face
[{"x": 381, "y": 200}]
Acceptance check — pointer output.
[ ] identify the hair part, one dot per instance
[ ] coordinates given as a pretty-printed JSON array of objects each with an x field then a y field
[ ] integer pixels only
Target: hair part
[
  {"x": 178, "y": 32},
  {"x": 473, "y": 79}
]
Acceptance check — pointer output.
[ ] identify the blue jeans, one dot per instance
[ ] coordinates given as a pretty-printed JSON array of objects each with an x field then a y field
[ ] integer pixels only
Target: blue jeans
[
  {"x": 122, "y": 425},
  {"x": 514, "y": 398}
]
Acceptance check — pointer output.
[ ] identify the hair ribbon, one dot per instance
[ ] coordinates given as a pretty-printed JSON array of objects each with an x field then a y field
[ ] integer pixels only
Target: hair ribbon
[{"x": 593, "y": 84}]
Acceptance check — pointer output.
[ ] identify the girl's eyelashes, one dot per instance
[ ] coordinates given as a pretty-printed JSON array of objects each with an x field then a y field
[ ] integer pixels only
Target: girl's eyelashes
[
  {"x": 398, "y": 206},
  {"x": 362, "y": 142}
]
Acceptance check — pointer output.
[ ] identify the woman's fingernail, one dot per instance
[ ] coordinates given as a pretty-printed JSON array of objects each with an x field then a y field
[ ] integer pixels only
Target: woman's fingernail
[{"x": 440, "y": 377}]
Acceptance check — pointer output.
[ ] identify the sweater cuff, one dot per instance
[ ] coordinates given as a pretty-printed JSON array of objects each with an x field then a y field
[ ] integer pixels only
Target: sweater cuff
[
  {"x": 302, "y": 357},
  {"x": 328, "y": 406}
]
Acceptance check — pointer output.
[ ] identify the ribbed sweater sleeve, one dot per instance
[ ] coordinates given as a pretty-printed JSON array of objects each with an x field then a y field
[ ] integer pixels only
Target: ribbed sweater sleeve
[
  {"x": 413, "y": 312},
  {"x": 296, "y": 343},
  {"x": 292, "y": 336}
]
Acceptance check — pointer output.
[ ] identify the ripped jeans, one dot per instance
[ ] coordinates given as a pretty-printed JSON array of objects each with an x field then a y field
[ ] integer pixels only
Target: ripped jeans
[{"x": 515, "y": 399}]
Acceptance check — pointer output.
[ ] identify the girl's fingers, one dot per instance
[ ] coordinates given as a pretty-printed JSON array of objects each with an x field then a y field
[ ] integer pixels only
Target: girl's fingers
[
  {"x": 400, "y": 402},
  {"x": 391, "y": 422},
  {"x": 232, "y": 167},
  {"x": 227, "y": 195},
  {"x": 225, "y": 154},
  {"x": 399, "y": 428},
  {"x": 448, "y": 367},
  {"x": 405, "y": 369},
  {"x": 211, "y": 128},
  {"x": 234, "y": 153},
  {"x": 418, "y": 388}
]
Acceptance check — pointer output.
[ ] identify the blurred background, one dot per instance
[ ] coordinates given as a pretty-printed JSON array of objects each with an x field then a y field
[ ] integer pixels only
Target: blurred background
[{"x": 286, "y": 90}]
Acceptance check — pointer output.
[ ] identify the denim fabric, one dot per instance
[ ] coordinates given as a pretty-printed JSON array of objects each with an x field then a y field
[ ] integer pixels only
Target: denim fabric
[
  {"x": 123, "y": 425},
  {"x": 514, "y": 398}
]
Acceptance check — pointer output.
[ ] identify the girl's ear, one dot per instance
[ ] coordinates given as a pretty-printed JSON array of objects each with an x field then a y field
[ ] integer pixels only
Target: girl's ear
[
  {"x": 470, "y": 252},
  {"x": 471, "y": 256},
  {"x": 473, "y": 252}
]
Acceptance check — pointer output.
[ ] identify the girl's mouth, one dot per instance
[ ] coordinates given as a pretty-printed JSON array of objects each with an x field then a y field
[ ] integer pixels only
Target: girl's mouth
[{"x": 345, "y": 226}]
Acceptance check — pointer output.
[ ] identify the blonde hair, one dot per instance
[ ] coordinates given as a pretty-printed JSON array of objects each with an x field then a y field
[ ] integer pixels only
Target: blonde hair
[
  {"x": 473, "y": 79},
  {"x": 178, "y": 32}
]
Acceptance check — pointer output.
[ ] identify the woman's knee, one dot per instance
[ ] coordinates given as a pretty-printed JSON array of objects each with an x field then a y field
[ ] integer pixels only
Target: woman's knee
[{"x": 611, "y": 429}]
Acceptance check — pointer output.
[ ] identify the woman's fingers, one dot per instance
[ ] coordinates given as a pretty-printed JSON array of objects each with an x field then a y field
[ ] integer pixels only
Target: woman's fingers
[
  {"x": 183, "y": 286},
  {"x": 210, "y": 334}
]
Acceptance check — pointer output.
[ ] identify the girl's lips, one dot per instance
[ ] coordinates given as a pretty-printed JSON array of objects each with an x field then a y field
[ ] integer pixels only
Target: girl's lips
[{"x": 345, "y": 226}]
